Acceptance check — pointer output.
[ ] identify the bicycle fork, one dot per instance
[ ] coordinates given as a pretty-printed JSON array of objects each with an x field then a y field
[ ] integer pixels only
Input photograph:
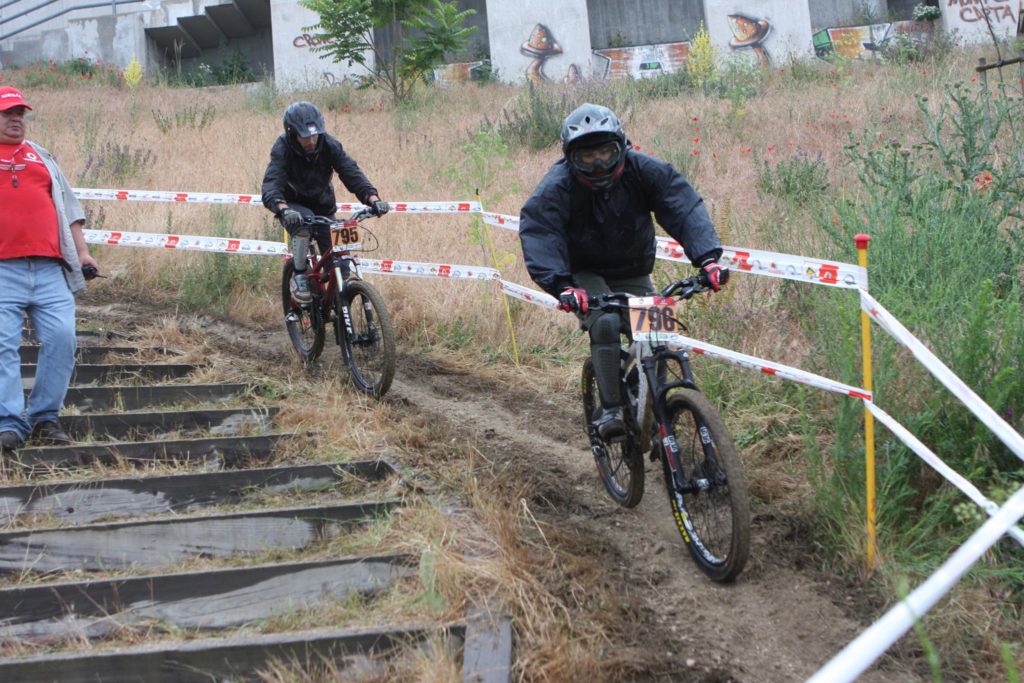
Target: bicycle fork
[{"x": 669, "y": 443}]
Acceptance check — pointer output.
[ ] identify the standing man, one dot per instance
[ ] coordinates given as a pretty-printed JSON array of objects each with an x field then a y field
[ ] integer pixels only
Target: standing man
[
  {"x": 588, "y": 228},
  {"x": 42, "y": 253}
]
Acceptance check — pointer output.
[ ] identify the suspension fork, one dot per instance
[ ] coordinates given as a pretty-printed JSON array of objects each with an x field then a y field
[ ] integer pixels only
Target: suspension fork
[
  {"x": 344, "y": 326},
  {"x": 654, "y": 369}
]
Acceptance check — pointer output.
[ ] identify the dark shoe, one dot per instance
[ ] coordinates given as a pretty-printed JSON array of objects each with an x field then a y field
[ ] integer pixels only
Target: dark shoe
[
  {"x": 300, "y": 288},
  {"x": 610, "y": 425},
  {"x": 50, "y": 433},
  {"x": 10, "y": 441}
]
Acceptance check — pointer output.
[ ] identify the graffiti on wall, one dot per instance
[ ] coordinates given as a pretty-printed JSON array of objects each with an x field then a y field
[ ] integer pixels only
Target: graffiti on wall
[
  {"x": 972, "y": 11},
  {"x": 866, "y": 42},
  {"x": 642, "y": 61},
  {"x": 460, "y": 72},
  {"x": 750, "y": 33},
  {"x": 540, "y": 46}
]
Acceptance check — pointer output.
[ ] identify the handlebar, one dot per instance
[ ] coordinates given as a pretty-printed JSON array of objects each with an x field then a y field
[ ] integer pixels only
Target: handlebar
[
  {"x": 360, "y": 215},
  {"x": 680, "y": 289}
]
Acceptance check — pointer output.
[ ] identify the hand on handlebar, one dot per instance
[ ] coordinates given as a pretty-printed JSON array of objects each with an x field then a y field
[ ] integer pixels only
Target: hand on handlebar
[
  {"x": 713, "y": 275},
  {"x": 379, "y": 207},
  {"x": 573, "y": 300},
  {"x": 291, "y": 218}
]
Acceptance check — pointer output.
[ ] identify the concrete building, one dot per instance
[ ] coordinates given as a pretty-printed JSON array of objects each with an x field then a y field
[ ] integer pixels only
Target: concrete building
[{"x": 527, "y": 39}]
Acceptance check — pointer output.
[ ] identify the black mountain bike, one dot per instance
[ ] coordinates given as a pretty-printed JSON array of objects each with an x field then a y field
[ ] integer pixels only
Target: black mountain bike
[
  {"x": 362, "y": 326},
  {"x": 667, "y": 415}
]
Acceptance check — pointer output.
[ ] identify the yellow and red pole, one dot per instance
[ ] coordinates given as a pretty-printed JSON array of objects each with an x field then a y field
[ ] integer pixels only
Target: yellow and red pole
[{"x": 861, "y": 241}]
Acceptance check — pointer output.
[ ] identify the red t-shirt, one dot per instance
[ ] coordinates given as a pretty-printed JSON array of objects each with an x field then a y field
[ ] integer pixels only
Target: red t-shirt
[{"x": 28, "y": 218}]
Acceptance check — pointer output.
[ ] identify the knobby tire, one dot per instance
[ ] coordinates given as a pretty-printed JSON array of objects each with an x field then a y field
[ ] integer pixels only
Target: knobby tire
[
  {"x": 715, "y": 520},
  {"x": 307, "y": 331},
  {"x": 370, "y": 355},
  {"x": 620, "y": 465}
]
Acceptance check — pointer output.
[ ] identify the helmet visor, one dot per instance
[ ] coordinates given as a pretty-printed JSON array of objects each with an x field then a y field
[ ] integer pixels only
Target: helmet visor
[{"x": 597, "y": 160}]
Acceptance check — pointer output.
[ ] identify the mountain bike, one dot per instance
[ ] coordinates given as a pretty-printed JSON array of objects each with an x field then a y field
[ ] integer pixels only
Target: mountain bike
[
  {"x": 362, "y": 326},
  {"x": 666, "y": 414}
]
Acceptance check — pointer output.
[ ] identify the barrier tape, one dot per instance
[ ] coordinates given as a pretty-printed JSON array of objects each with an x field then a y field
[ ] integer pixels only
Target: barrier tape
[
  {"x": 220, "y": 245},
  {"x": 1007, "y": 434},
  {"x": 542, "y": 299},
  {"x": 774, "y": 264},
  {"x": 753, "y": 363},
  {"x": 857, "y": 656},
  {"x": 951, "y": 475},
  {"x": 257, "y": 200},
  {"x": 415, "y": 269}
]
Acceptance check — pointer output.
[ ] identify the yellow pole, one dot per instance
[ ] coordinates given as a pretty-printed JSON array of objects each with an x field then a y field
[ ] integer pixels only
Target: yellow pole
[
  {"x": 486, "y": 231},
  {"x": 869, "y": 420}
]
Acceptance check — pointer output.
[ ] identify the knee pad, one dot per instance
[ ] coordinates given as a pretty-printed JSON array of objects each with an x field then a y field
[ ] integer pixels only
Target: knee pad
[
  {"x": 605, "y": 329},
  {"x": 300, "y": 249}
]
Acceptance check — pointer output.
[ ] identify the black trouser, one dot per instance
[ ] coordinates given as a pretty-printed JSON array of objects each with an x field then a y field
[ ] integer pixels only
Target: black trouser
[
  {"x": 300, "y": 236},
  {"x": 605, "y": 328}
]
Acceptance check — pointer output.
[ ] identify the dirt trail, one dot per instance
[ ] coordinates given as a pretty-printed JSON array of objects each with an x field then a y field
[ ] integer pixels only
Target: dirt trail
[{"x": 777, "y": 623}]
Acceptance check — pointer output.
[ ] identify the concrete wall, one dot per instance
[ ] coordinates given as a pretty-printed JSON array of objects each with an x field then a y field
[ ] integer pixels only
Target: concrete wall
[
  {"x": 295, "y": 65},
  {"x": 626, "y": 23},
  {"x": 539, "y": 39},
  {"x": 826, "y": 13},
  {"x": 771, "y": 31},
  {"x": 967, "y": 18}
]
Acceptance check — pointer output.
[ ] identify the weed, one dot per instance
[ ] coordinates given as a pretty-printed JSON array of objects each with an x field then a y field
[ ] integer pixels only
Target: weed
[
  {"x": 189, "y": 116},
  {"x": 798, "y": 179},
  {"x": 115, "y": 163}
]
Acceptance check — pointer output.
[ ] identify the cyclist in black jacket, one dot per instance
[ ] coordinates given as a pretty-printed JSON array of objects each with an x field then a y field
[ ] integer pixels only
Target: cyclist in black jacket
[
  {"x": 297, "y": 184},
  {"x": 587, "y": 227}
]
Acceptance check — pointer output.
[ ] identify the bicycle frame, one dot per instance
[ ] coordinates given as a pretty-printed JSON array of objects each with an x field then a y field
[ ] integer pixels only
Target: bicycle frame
[{"x": 344, "y": 266}]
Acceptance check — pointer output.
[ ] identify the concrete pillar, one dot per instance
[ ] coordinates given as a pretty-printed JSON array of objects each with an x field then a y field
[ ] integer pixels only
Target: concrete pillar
[
  {"x": 771, "y": 31},
  {"x": 539, "y": 40}
]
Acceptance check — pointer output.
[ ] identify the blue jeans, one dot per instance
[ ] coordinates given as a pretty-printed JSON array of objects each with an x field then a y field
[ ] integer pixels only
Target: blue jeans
[{"x": 37, "y": 287}]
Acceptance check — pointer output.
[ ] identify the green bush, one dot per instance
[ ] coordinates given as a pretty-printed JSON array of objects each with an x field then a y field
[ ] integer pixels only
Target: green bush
[
  {"x": 190, "y": 116},
  {"x": 798, "y": 179},
  {"x": 115, "y": 163}
]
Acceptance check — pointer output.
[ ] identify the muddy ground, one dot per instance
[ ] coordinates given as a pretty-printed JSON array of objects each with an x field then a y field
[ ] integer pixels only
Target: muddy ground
[{"x": 779, "y": 622}]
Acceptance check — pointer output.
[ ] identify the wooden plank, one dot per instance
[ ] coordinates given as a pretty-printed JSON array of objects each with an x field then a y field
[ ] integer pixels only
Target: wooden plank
[
  {"x": 220, "y": 659},
  {"x": 92, "y": 372},
  {"x": 86, "y": 354},
  {"x": 138, "y": 397},
  {"x": 213, "y": 599},
  {"x": 152, "y": 544},
  {"x": 85, "y": 501},
  {"x": 223, "y": 422},
  {"x": 229, "y": 450},
  {"x": 487, "y": 656}
]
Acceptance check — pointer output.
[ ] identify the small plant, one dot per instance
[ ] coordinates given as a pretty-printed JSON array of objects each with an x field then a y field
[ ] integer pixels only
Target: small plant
[
  {"x": 192, "y": 116},
  {"x": 798, "y": 179},
  {"x": 115, "y": 163},
  {"x": 132, "y": 74},
  {"x": 902, "y": 48},
  {"x": 703, "y": 61},
  {"x": 923, "y": 12}
]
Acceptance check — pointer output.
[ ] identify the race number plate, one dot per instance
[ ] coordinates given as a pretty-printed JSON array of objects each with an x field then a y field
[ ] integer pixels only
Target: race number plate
[
  {"x": 346, "y": 236},
  {"x": 653, "y": 314}
]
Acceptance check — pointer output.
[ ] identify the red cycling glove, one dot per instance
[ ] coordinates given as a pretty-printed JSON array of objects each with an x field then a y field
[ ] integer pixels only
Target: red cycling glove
[
  {"x": 716, "y": 275},
  {"x": 573, "y": 300}
]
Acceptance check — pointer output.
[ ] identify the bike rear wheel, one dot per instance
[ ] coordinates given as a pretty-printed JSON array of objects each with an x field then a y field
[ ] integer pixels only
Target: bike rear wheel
[
  {"x": 620, "y": 465},
  {"x": 712, "y": 513},
  {"x": 305, "y": 323},
  {"x": 370, "y": 352}
]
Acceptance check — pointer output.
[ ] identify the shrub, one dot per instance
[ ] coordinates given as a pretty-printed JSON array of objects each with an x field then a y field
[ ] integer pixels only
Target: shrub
[
  {"x": 190, "y": 116},
  {"x": 115, "y": 163},
  {"x": 798, "y": 179}
]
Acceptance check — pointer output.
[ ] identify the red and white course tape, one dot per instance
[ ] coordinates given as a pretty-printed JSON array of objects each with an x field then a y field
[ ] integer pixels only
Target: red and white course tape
[
  {"x": 1007, "y": 434},
  {"x": 216, "y": 245},
  {"x": 753, "y": 363},
  {"x": 439, "y": 270}
]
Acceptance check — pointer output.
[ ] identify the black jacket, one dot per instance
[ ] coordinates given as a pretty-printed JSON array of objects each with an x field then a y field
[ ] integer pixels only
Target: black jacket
[
  {"x": 292, "y": 177},
  {"x": 566, "y": 227}
]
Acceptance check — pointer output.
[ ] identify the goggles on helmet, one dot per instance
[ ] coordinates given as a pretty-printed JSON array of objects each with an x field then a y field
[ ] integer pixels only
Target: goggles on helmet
[{"x": 597, "y": 160}]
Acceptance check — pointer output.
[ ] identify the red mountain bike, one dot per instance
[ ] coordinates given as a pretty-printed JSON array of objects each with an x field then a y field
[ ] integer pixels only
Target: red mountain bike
[{"x": 362, "y": 326}]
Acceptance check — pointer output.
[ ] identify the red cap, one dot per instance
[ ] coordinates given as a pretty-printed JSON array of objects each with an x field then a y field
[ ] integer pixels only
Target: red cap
[
  {"x": 10, "y": 98},
  {"x": 861, "y": 240}
]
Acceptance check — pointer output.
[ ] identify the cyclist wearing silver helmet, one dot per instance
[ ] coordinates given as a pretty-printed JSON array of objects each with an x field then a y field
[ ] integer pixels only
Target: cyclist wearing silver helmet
[
  {"x": 297, "y": 184},
  {"x": 587, "y": 227}
]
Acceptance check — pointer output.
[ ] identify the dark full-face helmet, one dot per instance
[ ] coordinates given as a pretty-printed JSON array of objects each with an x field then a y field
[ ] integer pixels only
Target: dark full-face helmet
[
  {"x": 594, "y": 143},
  {"x": 303, "y": 119}
]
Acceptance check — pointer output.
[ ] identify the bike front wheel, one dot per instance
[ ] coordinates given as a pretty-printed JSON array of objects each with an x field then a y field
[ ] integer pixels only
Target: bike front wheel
[
  {"x": 621, "y": 464},
  {"x": 370, "y": 351},
  {"x": 305, "y": 323},
  {"x": 711, "y": 508}
]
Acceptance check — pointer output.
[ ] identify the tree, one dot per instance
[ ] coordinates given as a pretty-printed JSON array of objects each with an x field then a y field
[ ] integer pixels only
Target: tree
[{"x": 421, "y": 33}]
